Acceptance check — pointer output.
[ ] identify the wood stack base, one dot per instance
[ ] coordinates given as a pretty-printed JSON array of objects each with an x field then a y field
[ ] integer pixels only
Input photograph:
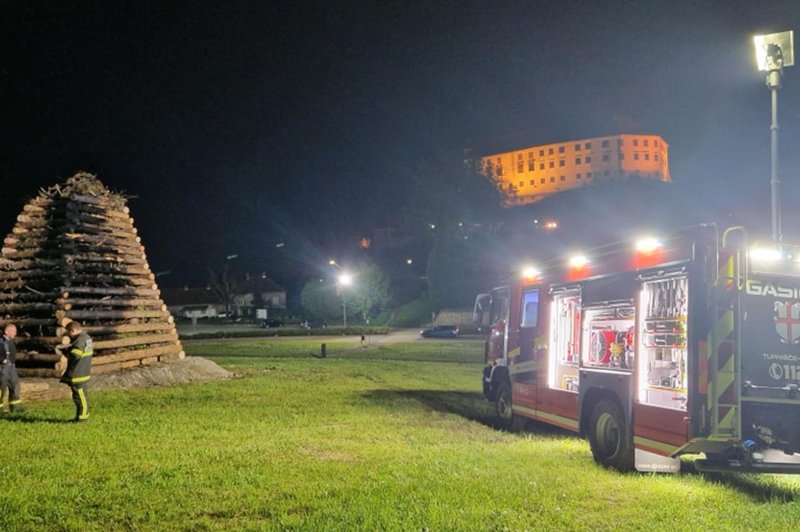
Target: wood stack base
[{"x": 74, "y": 255}]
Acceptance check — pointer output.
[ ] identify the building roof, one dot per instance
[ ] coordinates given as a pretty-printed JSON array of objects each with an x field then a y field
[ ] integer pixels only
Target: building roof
[{"x": 258, "y": 284}]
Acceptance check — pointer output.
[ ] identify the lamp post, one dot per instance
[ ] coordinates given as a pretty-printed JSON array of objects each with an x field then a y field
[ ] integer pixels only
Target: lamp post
[
  {"x": 345, "y": 280},
  {"x": 773, "y": 52}
]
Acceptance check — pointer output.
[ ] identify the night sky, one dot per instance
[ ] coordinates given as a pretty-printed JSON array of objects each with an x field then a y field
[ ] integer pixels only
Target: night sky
[{"x": 236, "y": 126}]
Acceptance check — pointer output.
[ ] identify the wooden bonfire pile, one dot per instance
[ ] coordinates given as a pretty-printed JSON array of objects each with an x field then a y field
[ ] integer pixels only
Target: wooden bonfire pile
[{"x": 74, "y": 255}]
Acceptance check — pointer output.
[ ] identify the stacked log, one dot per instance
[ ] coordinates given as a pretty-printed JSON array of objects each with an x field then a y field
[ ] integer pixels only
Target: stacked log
[{"x": 74, "y": 254}]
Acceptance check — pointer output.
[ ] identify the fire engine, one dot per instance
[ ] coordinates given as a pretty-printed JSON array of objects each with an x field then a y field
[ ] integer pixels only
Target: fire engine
[{"x": 687, "y": 345}]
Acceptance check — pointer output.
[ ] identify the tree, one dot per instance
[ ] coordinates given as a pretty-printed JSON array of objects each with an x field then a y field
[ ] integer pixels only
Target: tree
[
  {"x": 365, "y": 297},
  {"x": 224, "y": 286},
  {"x": 370, "y": 292},
  {"x": 319, "y": 300}
]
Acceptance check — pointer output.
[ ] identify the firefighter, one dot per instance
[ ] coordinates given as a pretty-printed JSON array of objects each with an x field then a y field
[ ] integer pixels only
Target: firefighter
[
  {"x": 9, "y": 380},
  {"x": 79, "y": 368}
]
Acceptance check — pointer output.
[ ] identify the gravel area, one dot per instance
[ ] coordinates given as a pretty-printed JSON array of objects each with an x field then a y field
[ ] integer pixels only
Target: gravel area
[
  {"x": 189, "y": 369},
  {"x": 185, "y": 371}
]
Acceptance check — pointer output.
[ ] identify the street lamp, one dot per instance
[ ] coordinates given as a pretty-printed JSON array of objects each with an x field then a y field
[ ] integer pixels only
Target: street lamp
[
  {"x": 773, "y": 52},
  {"x": 345, "y": 280}
]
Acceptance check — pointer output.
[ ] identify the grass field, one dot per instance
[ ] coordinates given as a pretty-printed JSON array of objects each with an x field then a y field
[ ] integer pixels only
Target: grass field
[{"x": 389, "y": 437}]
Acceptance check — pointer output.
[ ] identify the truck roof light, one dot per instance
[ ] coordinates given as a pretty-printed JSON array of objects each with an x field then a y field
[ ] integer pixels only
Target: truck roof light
[
  {"x": 765, "y": 254},
  {"x": 530, "y": 273},
  {"x": 578, "y": 261},
  {"x": 647, "y": 245}
]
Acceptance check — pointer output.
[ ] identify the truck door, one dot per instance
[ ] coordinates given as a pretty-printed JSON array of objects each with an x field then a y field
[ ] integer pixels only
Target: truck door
[
  {"x": 498, "y": 326},
  {"x": 770, "y": 363}
]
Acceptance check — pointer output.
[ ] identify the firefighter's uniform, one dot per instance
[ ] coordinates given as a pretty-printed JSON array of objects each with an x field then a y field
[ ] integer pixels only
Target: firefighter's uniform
[
  {"x": 79, "y": 369},
  {"x": 9, "y": 380}
]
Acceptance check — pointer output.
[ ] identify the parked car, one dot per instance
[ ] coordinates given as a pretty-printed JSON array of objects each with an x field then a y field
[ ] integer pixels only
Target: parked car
[
  {"x": 440, "y": 331},
  {"x": 313, "y": 325},
  {"x": 270, "y": 324}
]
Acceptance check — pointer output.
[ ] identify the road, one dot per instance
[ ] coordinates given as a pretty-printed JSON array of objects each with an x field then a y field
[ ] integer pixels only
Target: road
[{"x": 394, "y": 337}]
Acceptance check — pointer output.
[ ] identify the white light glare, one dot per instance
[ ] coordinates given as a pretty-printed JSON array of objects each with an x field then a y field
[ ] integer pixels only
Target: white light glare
[
  {"x": 774, "y": 51},
  {"x": 647, "y": 245},
  {"x": 345, "y": 279},
  {"x": 530, "y": 272},
  {"x": 761, "y": 52},
  {"x": 578, "y": 261},
  {"x": 766, "y": 254}
]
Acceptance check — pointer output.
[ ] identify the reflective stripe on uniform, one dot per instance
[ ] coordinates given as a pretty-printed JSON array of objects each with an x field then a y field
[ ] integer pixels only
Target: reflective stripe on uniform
[
  {"x": 80, "y": 379},
  {"x": 80, "y": 353},
  {"x": 84, "y": 405}
]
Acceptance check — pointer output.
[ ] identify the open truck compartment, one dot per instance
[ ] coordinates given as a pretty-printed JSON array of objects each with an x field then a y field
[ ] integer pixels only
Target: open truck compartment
[{"x": 691, "y": 346}]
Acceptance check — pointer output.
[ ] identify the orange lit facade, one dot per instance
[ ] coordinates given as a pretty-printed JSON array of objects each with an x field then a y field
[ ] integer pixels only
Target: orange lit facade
[{"x": 531, "y": 174}]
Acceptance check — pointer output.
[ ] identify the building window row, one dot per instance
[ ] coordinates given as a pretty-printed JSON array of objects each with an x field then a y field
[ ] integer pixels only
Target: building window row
[
  {"x": 552, "y": 180},
  {"x": 495, "y": 168},
  {"x": 645, "y": 142},
  {"x": 498, "y": 170},
  {"x": 605, "y": 143}
]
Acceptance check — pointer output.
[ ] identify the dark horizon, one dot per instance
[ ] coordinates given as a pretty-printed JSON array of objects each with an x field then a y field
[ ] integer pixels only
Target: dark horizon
[{"x": 240, "y": 127}]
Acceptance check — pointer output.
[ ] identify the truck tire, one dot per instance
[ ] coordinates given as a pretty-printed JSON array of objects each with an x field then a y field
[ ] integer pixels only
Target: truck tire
[
  {"x": 502, "y": 405},
  {"x": 608, "y": 438}
]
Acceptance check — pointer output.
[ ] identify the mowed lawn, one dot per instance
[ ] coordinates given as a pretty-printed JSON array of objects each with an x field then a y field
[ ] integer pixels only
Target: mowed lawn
[{"x": 387, "y": 437}]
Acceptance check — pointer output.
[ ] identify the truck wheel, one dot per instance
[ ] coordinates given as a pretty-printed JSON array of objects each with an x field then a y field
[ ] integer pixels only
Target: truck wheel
[
  {"x": 608, "y": 438},
  {"x": 502, "y": 405}
]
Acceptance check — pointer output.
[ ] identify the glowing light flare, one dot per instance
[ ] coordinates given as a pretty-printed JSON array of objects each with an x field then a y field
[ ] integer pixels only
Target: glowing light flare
[
  {"x": 579, "y": 267},
  {"x": 774, "y": 51},
  {"x": 578, "y": 261},
  {"x": 648, "y": 245},
  {"x": 345, "y": 279},
  {"x": 530, "y": 273},
  {"x": 550, "y": 225},
  {"x": 764, "y": 254},
  {"x": 649, "y": 252}
]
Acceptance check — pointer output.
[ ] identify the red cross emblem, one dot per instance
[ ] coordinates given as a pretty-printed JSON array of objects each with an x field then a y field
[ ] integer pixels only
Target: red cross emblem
[{"x": 787, "y": 321}]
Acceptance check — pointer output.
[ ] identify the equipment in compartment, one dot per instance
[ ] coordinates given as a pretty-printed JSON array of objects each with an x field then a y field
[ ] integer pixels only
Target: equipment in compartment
[
  {"x": 663, "y": 342},
  {"x": 565, "y": 341},
  {"x": 610, "y": 332},
  {"x": 666, "y": 298}
]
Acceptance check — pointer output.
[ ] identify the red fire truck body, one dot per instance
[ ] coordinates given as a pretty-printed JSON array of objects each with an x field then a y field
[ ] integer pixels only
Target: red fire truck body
[{"x": 688, "y": 345}]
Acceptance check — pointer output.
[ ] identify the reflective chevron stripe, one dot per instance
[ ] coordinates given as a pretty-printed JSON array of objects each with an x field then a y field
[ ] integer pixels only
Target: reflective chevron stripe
[
  {"x": 722, "y": 397},
  {"x": 657, "y": 447},
  {"x": 555, "y": 419},
  {"x": 522, "y": 367}
]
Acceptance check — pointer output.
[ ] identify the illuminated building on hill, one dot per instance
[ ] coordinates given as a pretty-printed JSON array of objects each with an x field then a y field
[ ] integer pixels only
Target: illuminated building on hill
[{"x": 528, "y": 175}]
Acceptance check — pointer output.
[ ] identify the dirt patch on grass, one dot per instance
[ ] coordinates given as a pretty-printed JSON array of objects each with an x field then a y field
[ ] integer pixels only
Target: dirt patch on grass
[{"x": 188, "y": 370}]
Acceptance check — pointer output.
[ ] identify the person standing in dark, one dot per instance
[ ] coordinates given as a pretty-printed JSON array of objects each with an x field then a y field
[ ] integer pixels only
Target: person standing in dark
[
  {"x": 9, "y": 380},
  {"x": 79, "y": 368}
]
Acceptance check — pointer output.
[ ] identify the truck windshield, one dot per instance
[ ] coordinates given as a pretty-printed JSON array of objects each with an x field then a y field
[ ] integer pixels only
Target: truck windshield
[{"x": 499, "y": 310}]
